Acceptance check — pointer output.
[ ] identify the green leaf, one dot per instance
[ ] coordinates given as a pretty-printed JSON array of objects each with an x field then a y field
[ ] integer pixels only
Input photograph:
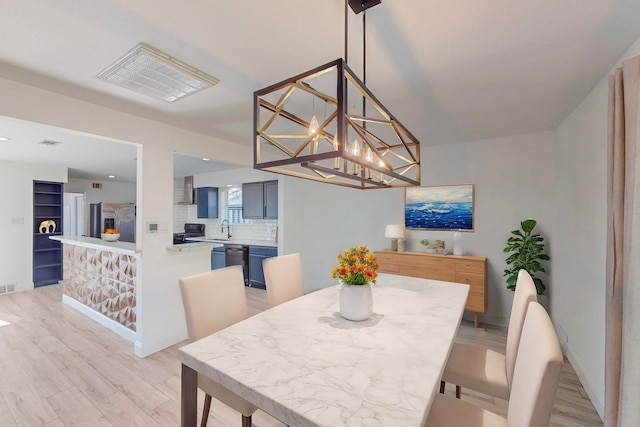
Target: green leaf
[
  {"x": 528, "y": 225},
  {"x": 526, "y": 251},
  {"x": 540, "y": 287}
]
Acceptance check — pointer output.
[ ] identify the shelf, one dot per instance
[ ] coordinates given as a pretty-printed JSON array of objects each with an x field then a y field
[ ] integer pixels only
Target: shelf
[
  {"x": 47, "y": 250},
  {"x": 56, "y": 264},
  {"x": 47, "y": 253}
]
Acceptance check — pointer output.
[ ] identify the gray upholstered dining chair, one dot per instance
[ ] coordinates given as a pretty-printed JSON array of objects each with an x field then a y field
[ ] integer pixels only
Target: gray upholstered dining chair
[
  {"x": 485, "y": 370},
  {"x": 283, "y": 277},
  {"x": 213, "y": 301},
  {"x": 535, "y": 382}
]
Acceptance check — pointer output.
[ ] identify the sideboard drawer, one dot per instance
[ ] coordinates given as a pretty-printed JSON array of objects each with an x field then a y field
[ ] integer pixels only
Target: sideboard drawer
[
  {"x": 470, "y": 266},
  {"x": 475, "y": 280}
]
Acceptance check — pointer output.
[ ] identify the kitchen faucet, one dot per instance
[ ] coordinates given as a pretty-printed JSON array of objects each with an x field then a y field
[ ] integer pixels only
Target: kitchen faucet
[{"x": 228, "y": 228}]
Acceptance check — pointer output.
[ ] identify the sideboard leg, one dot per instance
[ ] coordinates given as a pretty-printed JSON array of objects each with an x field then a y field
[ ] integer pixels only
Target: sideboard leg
[{"x": 475, "y": 319}]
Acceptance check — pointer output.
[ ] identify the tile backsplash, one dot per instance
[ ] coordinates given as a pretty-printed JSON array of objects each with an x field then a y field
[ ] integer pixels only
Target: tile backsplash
[{"x": 257, "y": 229}]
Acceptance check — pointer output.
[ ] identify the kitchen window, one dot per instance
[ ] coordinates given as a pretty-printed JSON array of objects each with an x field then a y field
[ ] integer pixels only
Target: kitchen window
[{"x": 231, "y": 204}]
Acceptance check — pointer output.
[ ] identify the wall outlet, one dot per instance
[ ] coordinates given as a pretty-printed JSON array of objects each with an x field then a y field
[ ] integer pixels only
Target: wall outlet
[{"x": 17, "y": 220}]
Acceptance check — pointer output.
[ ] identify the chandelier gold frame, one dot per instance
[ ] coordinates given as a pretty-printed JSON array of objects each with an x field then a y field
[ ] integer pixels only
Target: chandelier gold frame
[{"x": 384, "y": 153}]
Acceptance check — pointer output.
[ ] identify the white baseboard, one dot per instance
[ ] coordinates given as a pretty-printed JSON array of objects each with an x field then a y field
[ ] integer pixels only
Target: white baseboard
[
  {"x": 144, "y": 350},
  {"x": 112, "y": 325},
  {"x": 595, "y": 397},
  {"x": 24, "y": 286}
]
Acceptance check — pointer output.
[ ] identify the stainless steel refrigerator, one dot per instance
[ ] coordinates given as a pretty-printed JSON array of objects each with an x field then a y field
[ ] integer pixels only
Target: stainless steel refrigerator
[{"x": 121, "y": 216}]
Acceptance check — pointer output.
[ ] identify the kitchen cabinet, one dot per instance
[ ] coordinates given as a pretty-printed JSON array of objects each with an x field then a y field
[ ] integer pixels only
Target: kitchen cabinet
[
  {"x": 207, "y": 200},
  {"x": 47, "y": 221},
  {"x": 271, "y": 200},
  {"x": 260, "y": 200},
  {"x": 256, "y": 255},
  {"x": 217, "y": 258}
]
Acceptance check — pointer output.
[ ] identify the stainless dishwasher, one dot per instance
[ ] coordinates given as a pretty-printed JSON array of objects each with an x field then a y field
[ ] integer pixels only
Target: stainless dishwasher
[{"x": 238, "y": 255}]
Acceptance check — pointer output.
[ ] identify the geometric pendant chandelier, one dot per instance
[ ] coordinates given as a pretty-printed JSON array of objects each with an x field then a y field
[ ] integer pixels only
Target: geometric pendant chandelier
[{"x": 325, "y": 125}]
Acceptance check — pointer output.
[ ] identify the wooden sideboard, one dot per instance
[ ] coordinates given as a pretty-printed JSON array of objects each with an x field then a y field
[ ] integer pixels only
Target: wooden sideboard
[{"x": 470, "y": 270}]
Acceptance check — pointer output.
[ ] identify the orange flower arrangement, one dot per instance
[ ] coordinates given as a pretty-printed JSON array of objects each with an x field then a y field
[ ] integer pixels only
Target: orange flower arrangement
[{"x": 357, "y": 266}]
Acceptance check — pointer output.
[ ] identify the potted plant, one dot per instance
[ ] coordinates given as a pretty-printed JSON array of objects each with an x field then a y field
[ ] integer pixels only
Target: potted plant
[{"x": 527, "y": 251}]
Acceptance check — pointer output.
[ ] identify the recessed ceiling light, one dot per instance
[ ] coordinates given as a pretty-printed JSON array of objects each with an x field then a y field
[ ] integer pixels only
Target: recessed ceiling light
[
  {"x": 5, "y": 138},
  {"x": 206, "y": 159},
  {"x": 151, "y": 72},
  {"x": 112, "y": 176}
]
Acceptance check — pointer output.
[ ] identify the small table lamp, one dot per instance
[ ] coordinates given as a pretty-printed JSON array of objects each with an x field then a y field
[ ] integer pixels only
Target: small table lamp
[{"x": 394, "y": 232}]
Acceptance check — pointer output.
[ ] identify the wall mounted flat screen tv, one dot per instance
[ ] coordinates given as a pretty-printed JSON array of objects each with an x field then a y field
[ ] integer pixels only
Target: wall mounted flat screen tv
[{"x": 445, "y": 207}]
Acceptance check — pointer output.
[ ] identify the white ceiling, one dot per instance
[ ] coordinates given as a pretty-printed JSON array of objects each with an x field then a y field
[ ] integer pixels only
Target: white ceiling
[{"x": 449, "y": 71}]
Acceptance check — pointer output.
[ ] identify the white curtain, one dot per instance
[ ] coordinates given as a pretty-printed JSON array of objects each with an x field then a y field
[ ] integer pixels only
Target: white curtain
[{"x": 622, "y": 353}]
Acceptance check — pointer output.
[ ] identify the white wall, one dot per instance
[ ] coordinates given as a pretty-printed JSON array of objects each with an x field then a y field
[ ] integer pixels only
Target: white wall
[
  {"x": 322, "y": 220},
  {"x": 161, "y": 321},
  {"x": 578, "y": 305},
  {"x": 16, "y": 218},
  {"x": 514, "y": 180},
  {"x": 111, "y": 192}
]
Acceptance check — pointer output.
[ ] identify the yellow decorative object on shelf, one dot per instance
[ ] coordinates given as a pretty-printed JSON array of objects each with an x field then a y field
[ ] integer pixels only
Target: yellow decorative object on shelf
[{"x": 47, "y": 226}]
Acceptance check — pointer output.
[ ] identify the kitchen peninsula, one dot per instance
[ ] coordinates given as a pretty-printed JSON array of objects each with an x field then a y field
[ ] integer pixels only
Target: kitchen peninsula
[{"x": 100, "y": 281}]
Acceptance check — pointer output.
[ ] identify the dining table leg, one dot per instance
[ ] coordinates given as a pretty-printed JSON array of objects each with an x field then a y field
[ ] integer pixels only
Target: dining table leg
[{"x": 189, "y": 397}]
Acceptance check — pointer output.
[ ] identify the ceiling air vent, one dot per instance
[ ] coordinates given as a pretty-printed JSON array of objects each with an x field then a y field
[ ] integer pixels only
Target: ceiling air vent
[
  {"x": 50, "y": 143},
  {"x": 151, "y": 72},
  {"x": 97, "y": 185}
]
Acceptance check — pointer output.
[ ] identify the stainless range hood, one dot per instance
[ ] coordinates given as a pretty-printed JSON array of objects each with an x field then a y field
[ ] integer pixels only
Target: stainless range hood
[{"x": 189, "y": 192}]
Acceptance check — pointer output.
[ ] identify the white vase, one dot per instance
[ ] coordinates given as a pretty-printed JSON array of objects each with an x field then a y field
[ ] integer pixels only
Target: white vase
[
  {"x": 356, "y": 302},
  {"x": 457, "y": 243}
]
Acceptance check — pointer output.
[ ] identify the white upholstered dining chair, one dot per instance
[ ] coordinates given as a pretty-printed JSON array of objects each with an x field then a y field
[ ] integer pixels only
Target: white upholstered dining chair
[
  {"x": 283, "y": 277},
  {"x": 485, "y": 370},
  {"x": 213, "y": 301},
  {"x": 535, "y": 382}
]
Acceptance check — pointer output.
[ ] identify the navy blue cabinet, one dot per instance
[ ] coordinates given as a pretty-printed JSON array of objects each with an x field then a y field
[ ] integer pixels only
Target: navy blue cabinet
[
  {"x": 256, "y": 255},
  {"x": 217, "y": 258},
  {"x": 271, "y": 200},
  {"x": 47, "y": 221},
  {"x": 207, "y": 202},
  {"x": 260, "y": 200}
]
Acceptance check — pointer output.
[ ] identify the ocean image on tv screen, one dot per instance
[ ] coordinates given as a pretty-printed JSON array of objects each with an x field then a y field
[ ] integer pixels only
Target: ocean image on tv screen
[{"x": 444, "y": 208}]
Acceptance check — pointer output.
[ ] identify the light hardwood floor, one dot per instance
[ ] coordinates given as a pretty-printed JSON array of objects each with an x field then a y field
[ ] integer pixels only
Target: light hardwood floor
[{"x": 59, "y": 368}]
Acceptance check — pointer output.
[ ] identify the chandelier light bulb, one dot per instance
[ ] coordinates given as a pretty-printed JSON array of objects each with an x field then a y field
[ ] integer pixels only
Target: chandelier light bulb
[
  {"x": 313, "y": 128},
  {"x": 356, "y": 147}
]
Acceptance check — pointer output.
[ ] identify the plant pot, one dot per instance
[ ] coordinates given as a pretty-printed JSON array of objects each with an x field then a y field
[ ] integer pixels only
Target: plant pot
[{"x": 356, "y": 302}]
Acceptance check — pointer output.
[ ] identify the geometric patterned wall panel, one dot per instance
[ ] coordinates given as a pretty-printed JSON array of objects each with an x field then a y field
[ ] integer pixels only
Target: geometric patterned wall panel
[{"x": 103, "y": 281}]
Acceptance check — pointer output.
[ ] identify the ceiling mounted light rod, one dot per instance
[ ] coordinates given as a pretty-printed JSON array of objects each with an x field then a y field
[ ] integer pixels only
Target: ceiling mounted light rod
[{"x": 364, "y": 151}]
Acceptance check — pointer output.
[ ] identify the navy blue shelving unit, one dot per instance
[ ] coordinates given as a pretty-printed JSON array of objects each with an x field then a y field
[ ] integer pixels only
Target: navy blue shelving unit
[{"x": 47, "y": 254}]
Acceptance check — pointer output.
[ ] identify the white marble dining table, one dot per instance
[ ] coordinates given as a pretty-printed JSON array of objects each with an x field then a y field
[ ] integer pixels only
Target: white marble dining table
[{"x": 305, "y": 365}]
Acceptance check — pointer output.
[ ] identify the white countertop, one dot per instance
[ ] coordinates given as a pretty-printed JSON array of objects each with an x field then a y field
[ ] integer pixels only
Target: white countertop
[
  {"x": 232, "y": 241},
  {"x": 192, "y": 247},
  {"x": 307, "y": 366},
  {"x": 126, "y": 248}
]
